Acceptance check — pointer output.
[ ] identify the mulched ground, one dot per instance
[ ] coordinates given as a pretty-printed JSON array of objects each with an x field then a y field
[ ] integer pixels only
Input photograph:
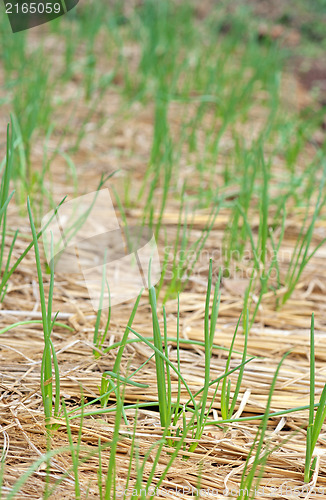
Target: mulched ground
[{"x": 220, "y": 454}]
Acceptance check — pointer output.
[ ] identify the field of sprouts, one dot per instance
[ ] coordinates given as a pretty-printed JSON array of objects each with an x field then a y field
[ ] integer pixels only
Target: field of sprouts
[{"x": 206, "y": 124}]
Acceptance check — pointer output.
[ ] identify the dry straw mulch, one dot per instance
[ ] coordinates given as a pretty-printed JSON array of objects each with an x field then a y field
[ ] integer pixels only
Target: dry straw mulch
[{"x": 220, "y": 456}]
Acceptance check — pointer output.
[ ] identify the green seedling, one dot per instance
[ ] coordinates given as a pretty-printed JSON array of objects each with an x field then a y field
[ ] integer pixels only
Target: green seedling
[
  {"x": 107, "y": 384},
  {"x": 32, "y": 103},
  {"x": 209, "y": 332},
  {"x": 235, "y": 242},
  {"x": 301, "y": 256},
  {"x": 5, "y": 198},
  {"x": 160, "y": 365},
  {"x": 316, "y": 421},
  {"x": 110, "y": 484},
  {"x": 75, "y": 450},
  {"x": 98, "y": 340},
  {"x": 260, "y": 456},
  {"x": 185, "y": 255},
  {"x": 4, "y": 202},
  {"x": 49, "y": 355},
  {"x": 228, "y": 405}
]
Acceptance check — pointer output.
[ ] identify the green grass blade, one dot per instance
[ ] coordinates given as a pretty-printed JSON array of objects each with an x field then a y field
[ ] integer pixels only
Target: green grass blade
[{"x": 159, "y": 362}]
